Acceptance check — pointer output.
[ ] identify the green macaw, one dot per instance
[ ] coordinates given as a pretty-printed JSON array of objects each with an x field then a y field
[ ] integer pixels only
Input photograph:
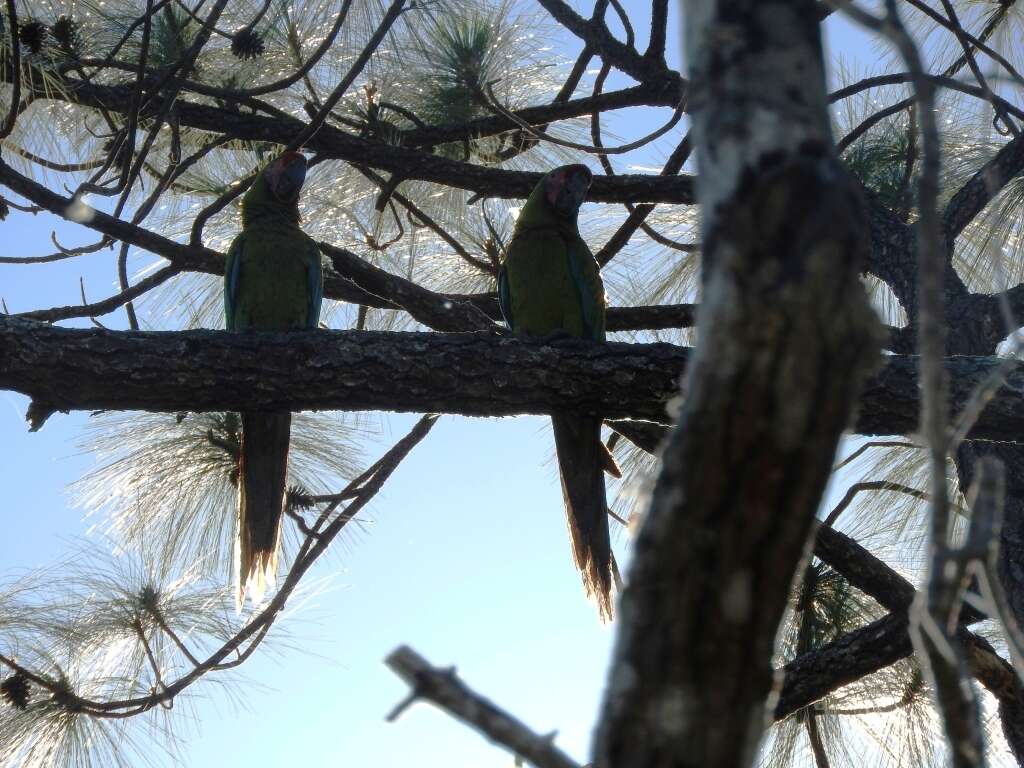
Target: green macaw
[
  {"x": 273, "y": 281},
  {"x": 550, "y": 283}
]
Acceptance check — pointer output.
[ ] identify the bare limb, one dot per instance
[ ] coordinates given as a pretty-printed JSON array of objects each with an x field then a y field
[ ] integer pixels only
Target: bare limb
[{"x": 444, "y": 689}]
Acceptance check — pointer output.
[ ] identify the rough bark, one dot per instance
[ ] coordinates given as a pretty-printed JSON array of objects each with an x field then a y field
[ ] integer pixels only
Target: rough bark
[
  {"x": 473, "y": 374},
  {"x": 813, "y": 675},
  {"x": 786, "y": 340},
  {"x": 809, "y": 677}
]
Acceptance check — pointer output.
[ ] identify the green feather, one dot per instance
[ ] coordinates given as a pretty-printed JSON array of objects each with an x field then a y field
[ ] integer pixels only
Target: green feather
[
  {"x": 551, "y": 283},
  {"x": 272, "y": 282},
  {"x": 273, "y": 269}
]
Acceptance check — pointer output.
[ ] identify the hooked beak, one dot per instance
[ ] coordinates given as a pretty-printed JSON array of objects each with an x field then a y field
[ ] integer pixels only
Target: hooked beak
[
  {"x": 286, "y": 176},
  {"x": 579, "y": 184}
]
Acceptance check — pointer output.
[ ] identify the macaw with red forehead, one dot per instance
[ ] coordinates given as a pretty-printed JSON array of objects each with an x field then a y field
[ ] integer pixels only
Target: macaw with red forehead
[
  {"x": 273, "y": 281},
  {"x": 550, "y": 283}
]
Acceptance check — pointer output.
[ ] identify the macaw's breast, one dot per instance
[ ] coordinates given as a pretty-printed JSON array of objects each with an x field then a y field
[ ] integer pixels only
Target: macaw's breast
[
  {"x": 274, "y": 280},
  {"x": 544, "y": 295}
]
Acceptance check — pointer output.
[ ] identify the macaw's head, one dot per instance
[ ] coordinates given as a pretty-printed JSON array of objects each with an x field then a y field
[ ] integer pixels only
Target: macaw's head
[
  {"x": 565, "y": 189},
  {"x": 275, "y": 192},
  {"x": 284, "y": 177}
]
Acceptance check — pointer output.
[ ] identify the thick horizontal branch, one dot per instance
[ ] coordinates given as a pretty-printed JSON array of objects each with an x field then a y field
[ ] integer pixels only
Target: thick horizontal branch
[
  {"x": 652, "y": 318},
  {"x": 473, "y": 374},
  {"x": 815, "y": 674}
]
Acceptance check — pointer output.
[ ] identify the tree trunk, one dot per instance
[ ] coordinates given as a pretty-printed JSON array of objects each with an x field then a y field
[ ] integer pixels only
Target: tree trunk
[{"x": 786, "y": 339}]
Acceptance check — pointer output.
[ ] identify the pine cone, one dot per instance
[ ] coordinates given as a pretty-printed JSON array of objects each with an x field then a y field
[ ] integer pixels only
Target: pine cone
[
  {"x": 14, "y": 690},
  {"x": 298, "y": 498},
  {"x": 32, "y": 34},
  {"x": 247, "y": 44},
  {"x": 67, "y": 34}
]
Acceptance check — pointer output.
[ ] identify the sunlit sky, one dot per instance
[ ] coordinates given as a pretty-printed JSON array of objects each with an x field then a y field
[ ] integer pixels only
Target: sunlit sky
[{"x": 467, "y": 560}]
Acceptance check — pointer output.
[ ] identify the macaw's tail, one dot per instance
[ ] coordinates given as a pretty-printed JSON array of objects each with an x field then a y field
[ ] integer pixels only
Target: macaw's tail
[
  {"x": 262, "y": 475},
  {"x": 583, "y": 460}
]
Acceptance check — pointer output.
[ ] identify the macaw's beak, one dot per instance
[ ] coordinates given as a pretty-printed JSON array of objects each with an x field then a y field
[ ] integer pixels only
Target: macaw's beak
[
  {"x": 567, "y": 189},
  {"x": 286, "y": 176}
]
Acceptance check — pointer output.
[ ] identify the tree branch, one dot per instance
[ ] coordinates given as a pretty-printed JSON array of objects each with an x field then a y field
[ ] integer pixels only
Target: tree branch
[
  {"x": 330, "y": 142},
  {"x": 443, "y": 688},
  {"x": 597, "y": 37},
  {"x": 474, "y": 374},
  {"x": 815, "y": 674},
  {"x": 665, "y": 92},
  {"x": 973, "y": 196}
]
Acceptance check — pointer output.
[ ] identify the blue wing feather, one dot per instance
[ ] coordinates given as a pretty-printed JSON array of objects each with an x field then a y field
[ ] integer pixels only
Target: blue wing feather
[
  {"x": 316, "y": 288},
  {"x": 232, "y": 268},
  {"x": 588, "y": 302},
  {"x": 505, "y": 297}
]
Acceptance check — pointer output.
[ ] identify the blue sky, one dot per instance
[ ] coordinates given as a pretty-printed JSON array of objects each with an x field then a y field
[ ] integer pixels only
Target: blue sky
[{"x": 467, "y": 560}]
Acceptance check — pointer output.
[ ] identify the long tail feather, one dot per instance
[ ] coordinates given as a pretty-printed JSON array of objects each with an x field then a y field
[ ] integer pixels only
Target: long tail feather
[
  {"x": 263, "y": 472},
  {"x": 582, "y": 459}
]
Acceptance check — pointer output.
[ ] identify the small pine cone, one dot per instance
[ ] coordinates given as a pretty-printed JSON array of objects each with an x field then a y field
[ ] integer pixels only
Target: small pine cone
[
  {"x": 65, "y": 31},
  {"x": 247, "y": 44},
  {"x": 32, "y": 35},
  {"x": 14, "y": 690},
  {"x": 149, "y": 598},
  {"x": 5, "y": 209},
  {"x": 298, "y": 498}
]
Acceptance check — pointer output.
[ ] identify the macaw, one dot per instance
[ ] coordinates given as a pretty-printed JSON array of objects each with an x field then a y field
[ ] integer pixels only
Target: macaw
[
  {"x": 550, "y": 283},
  {"x": 273, "y": 281}
]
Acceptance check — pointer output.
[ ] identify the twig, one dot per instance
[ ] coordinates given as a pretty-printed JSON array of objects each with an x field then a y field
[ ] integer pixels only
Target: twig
[
  {"x": 677, "y": 114},
  {"x": 141, "y": 634},
  {"x": 939, "y": 80},
  {"x": 979, "y": 44},
  {"x": 85, "y": 301},
  {"x": 60, "y": 255},
  {"x": 961, "y": 36},
  {"x": 393, "y": 12},
  {"x": 934, "y": 616},
  {"x": 638, "y": 213},
  {"x": 869, "y": 445},
  {"x": 443, "y": 688},
  {"x": 257, "y": 628},
  {"x": 105, "y": 306},
  {"x": 871, "y": 485}
]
